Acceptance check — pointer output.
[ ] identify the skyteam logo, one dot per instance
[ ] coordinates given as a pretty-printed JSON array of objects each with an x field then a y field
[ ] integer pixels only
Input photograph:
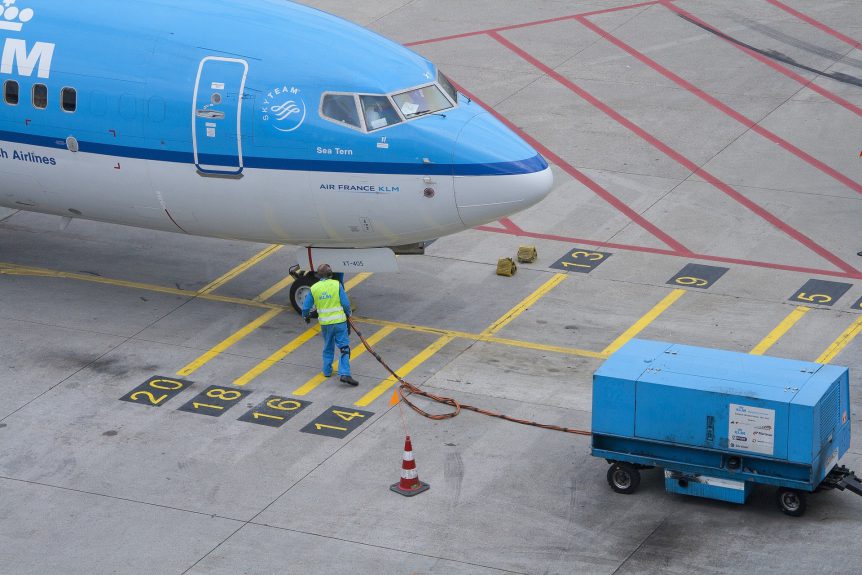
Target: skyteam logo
[
  {"x": 13, "y": 18},
  {"x": 284, "y": 109}
]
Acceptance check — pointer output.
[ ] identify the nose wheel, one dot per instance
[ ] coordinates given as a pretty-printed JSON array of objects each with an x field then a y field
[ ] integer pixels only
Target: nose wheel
[{"x": 301, "y": 287}]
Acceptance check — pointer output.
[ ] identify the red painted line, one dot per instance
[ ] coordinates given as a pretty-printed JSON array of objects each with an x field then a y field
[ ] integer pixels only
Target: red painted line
[
  {"x": 715, "y": 103},
  {"x": 509, "y": 225},
  {"x": 531, "y": 24},
  {"x": 557, "y": 238},
  {"x": 673, "y": 154},
  {"x": 810, "y": 84},
  {"x": 705, "y": 257},
  {"x": 586, "y": 180},
  {"x": 815, "y": 23}
]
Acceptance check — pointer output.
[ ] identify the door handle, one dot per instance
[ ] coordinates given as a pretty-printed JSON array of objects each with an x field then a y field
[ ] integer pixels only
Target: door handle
[{"x": 210, "y": 114}]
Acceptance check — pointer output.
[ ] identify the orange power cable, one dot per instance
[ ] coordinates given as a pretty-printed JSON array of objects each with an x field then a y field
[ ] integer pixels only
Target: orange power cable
[{"x": 407, "y": 389}]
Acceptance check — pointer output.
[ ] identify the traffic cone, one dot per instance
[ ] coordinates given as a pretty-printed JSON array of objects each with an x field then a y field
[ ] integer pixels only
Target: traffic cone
[
  {"x": 395, "y": 398},
  {"x": 409, "y": 484}
]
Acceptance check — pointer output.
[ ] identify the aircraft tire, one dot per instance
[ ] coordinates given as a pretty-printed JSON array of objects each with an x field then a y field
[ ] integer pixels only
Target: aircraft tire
[{"x": 300, "y": 288}]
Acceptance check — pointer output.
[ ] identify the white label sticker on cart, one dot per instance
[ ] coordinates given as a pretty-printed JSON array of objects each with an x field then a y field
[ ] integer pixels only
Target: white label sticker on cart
[{"x": 751, "y": 429}]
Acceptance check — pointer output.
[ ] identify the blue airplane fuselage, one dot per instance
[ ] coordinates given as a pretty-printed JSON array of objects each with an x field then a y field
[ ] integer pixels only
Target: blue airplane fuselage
[{"x": 253, "y": 120}]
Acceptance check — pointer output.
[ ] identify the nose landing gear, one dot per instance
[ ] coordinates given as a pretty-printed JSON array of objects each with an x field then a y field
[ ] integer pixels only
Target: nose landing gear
[{"x": 301, "y": 286}]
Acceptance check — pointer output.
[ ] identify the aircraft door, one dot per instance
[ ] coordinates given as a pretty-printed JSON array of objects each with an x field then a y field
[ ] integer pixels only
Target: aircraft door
[{"x": 217, "y": 116}]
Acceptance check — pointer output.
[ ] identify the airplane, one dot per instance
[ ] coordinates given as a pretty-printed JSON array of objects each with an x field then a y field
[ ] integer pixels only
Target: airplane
[{"x": 265, "y": 121}]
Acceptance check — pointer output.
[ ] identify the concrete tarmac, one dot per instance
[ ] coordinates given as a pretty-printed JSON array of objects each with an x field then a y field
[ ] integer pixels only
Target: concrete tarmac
[{"x": 719, "y": 133}]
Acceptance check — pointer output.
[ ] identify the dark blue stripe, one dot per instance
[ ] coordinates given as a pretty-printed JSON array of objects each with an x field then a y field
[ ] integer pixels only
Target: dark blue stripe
[{"x": 528, "y": 166}]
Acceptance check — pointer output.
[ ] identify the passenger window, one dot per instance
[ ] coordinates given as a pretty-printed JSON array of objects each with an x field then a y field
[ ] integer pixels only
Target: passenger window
[
  {"x": 341, "y": 108},
  {"x": 40, "y": 96},
  {"x": 10, "y": 92},
  {"x": 379, "y": 112},
  {"x": 69, "y": 99}
]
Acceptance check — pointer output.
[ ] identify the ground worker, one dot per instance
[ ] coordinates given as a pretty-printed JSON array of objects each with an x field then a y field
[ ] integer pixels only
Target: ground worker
[{"x": 333, "y": 309}]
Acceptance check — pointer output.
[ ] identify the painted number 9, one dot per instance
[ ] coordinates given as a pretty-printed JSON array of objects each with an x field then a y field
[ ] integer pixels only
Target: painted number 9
[{"x": 691, "y": 281}]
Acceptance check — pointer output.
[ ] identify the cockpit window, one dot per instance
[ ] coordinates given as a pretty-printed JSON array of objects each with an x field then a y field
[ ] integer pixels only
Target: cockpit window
[
  {"x": 447, "y": 86},
  {"x": 421, "y": 101},
  {"x": 341, "y": 108},
  {"x": 379, "y": 112}
]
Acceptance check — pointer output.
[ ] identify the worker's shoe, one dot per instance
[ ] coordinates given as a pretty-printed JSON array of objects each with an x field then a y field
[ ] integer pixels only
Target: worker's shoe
[
  {"x": 327, "y": 374},
  {"x": 349, "y": 380}
]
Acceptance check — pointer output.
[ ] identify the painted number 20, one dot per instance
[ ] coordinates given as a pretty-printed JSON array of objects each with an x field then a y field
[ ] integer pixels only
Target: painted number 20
[{"x": 161, "y": 384}]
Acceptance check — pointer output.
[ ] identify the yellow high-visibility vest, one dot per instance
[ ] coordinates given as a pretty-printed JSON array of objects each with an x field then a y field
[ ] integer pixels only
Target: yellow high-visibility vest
[{"x": 327, "y": 299}]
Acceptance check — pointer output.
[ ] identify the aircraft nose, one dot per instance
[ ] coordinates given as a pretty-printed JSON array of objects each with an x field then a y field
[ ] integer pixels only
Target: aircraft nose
[{"x": 496, "y": 172}]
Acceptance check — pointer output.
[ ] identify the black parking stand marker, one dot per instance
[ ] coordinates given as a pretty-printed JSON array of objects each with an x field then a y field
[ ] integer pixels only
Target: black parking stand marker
[
  {"x": 858, "y": 304},
  {"x": 581, "y": 261},
  {"x": 214, "y": 400},
  {"x": 820, "y": 292},
  {"x": 337, "y": 422},
  {"x": 275, "y": 411},
  {"x": 156, "y": 391},
  {"x": 697, "y": 276}
]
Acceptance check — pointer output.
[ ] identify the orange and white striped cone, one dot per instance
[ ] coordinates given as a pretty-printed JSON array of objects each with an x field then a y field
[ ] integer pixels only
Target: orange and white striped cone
[{"x": 409, "y": 484}]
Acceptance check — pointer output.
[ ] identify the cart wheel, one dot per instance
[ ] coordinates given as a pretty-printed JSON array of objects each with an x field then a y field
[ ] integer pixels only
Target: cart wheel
[
  {"x": 623, "y": 477},
  {"x": 791, "y": 502}
]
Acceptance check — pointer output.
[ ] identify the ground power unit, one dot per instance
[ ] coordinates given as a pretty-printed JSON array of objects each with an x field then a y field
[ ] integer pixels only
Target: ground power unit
[{"x": 719, "y": 422}]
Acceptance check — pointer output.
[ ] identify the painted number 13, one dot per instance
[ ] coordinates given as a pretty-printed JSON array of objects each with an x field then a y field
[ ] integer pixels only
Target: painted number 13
[{"x": 583, "y": 255}]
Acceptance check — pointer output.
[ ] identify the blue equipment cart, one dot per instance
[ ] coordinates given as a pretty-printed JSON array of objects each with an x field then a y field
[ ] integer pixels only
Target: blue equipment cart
[{"x": 719, "y": 422}]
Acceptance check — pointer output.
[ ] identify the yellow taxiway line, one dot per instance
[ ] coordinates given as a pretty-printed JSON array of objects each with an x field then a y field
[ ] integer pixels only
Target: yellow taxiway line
[
  {"x": 294, "y": 344},
  {"x": 479, "y": 337},
  {"x": 312, "y": 383},
  {"x": 291, "y": 346},
  {"x": 355, "y": 281},
  {"x": 643, "y": 322},
  {"x": 442, "y": 341},
  {"x": 16, "y": 270},
  {"x": 841, "y": 342},
  {"x": 404, "y": 371},
  {"x": 268, "y": 294},
  {"x": 779, "y": 331},
  {"x": 216, "y": 350},
  {"x": 252, "y": 261},
  {"x": 525, "y": 304}
]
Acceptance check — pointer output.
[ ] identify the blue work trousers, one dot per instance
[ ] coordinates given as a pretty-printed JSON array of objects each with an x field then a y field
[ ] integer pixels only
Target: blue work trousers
[{"x": 335, "y": 336}]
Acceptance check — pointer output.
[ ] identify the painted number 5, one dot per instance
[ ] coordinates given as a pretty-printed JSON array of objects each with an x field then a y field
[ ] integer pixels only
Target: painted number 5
[
  {"x": 814, "y": 298},
  {"x": 690, "y": 281}
]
